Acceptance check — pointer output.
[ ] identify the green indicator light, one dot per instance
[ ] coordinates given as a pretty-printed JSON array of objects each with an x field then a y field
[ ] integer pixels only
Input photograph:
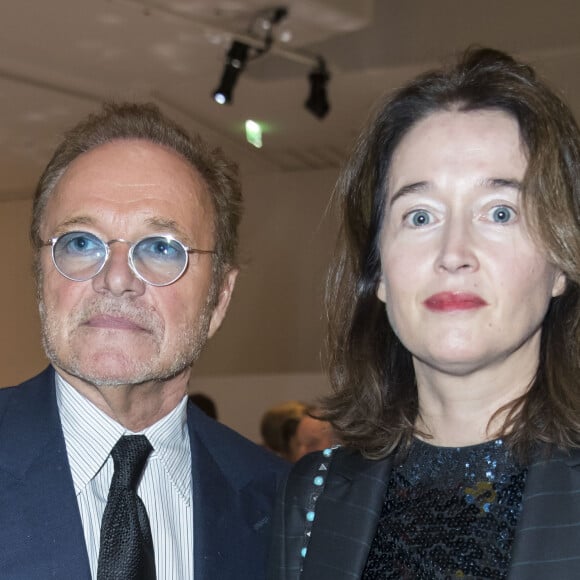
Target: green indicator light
[{"x": 253, "y": 133}]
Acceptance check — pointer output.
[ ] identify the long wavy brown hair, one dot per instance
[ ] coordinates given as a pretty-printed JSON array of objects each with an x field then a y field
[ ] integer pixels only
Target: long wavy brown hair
[{"x": 374, "y": 403}]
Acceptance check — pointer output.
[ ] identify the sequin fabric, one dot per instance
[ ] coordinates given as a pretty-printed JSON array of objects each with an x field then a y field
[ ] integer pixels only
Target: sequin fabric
[{"x": 448, "y": 513}]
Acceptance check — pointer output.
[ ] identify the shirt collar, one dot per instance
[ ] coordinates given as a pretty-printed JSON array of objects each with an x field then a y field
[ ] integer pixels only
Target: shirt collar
[
  {"x": 170, "y": 440},
  {"x": 90, "y": 434}
]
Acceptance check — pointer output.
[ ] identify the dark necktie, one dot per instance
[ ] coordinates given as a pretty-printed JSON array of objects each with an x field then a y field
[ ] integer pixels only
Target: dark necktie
[{"x": 126, "y": 551}]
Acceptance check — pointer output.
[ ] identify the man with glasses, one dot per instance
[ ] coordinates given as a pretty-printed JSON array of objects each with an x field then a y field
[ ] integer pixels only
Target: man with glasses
[{"x": 105, "y": 471}]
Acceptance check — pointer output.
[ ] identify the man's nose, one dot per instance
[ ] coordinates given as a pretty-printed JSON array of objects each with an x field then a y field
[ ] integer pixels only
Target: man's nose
[{"x": 117, "y": 277}]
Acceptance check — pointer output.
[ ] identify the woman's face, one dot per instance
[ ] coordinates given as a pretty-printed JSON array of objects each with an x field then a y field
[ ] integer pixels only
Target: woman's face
[{"x": 465, "y": 287}]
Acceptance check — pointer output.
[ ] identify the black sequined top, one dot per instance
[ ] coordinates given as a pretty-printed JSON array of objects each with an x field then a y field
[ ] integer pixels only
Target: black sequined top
[{"x": 448, "y": 513}]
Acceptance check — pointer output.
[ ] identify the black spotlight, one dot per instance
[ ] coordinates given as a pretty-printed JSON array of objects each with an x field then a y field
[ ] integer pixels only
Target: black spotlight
[
  {"x": 317, "y": 102},
  {"x": 235, "y": 63}
]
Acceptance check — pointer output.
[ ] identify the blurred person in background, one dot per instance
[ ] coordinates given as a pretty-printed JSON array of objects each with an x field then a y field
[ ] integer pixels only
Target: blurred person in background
[
  {"x": 311, "y": 434},
  {"x": 278, "y": 426},
  {"x": 205, "y": 403}
]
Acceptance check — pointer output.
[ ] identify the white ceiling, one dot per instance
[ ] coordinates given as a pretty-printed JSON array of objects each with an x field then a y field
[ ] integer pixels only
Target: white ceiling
[{"x": 60, "y": 58}]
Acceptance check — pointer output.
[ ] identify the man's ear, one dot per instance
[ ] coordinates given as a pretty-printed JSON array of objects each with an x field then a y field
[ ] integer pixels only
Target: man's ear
[{"x": 224, "y": 297}]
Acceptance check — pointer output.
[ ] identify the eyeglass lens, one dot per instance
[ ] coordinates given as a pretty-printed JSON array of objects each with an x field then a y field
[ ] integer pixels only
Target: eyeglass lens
[{"x": 158, "y": 260}]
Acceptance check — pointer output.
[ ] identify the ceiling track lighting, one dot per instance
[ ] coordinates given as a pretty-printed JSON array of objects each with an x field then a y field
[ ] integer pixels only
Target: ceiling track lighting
[
  {"x": 260, "y": 40},
  {"x": 317, "y": 101},
  {"x": 235, "y": 63}
]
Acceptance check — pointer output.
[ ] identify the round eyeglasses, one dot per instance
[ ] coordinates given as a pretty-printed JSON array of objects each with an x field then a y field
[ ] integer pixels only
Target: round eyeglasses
[{"x": 158, "y": 260}]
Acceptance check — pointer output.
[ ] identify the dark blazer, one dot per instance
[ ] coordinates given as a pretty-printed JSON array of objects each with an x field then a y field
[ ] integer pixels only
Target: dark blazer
[
  {"x": 41, "y": 534},
  {"x": 546, "y": 545}
]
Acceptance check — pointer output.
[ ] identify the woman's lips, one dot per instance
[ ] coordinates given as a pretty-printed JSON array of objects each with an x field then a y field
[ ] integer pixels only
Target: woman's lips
[
  {"x": 113, "y": 322},
  {"x": 448, "y": 301}
]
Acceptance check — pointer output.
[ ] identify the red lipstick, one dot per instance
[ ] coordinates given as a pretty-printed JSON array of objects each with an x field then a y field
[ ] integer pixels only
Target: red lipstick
[{"x": 449, "y": 301}]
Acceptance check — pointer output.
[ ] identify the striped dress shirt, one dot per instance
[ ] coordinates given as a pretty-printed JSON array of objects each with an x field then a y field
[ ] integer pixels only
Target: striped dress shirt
[{"x": 165, "y": 488}]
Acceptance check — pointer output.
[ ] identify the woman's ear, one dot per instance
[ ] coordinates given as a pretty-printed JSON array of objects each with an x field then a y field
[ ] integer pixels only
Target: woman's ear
[
  {"x": 559, "y": 285},
  {"x": 381, "y": 290}
]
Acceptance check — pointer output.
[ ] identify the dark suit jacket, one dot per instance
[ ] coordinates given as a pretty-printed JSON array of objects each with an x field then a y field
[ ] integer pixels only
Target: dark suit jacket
[
  {"x": 546, "y": 545},
  {"x": 41, "y": 534}
]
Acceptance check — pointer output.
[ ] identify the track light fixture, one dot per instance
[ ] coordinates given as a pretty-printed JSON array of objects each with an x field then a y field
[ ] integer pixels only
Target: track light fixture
[
  {"x": 235, "y": 63},
  {"x": 259, "y": 40},
  {"x": 317, "y": 101}
]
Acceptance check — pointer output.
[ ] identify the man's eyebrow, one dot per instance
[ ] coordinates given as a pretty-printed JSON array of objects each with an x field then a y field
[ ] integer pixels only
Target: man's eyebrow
[
  {"x": 162, "y": 223},
  {"x": 75, "y": 221},
  {"x": 166, "y": 225}
]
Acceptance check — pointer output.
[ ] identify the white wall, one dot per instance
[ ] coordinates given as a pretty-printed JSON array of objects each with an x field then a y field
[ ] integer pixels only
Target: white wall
[
  {"x": 21, "y": 354},
  {"x": 275, "y": 320}
]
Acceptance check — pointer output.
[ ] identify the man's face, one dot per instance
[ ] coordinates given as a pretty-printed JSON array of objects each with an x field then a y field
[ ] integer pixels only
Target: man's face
[{"x": 115, "y": 329}]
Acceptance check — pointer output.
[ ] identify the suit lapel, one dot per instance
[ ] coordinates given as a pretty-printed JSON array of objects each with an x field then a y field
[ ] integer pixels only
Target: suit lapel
[
  {"x": 41, "y": 525},
  {"x": 548, "y": 533},
  {"x": 226, "y": 515},
  {"x": 346, "y": 518}
]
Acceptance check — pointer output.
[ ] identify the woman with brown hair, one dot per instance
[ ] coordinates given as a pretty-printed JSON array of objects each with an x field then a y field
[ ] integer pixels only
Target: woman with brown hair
[{"x": 453, "y": 346}]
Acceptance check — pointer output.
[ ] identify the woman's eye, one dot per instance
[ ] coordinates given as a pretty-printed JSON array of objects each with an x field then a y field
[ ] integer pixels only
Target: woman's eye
[
  {"x": 418, "y": 218},
  {"x": 502, "y": 214}
]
